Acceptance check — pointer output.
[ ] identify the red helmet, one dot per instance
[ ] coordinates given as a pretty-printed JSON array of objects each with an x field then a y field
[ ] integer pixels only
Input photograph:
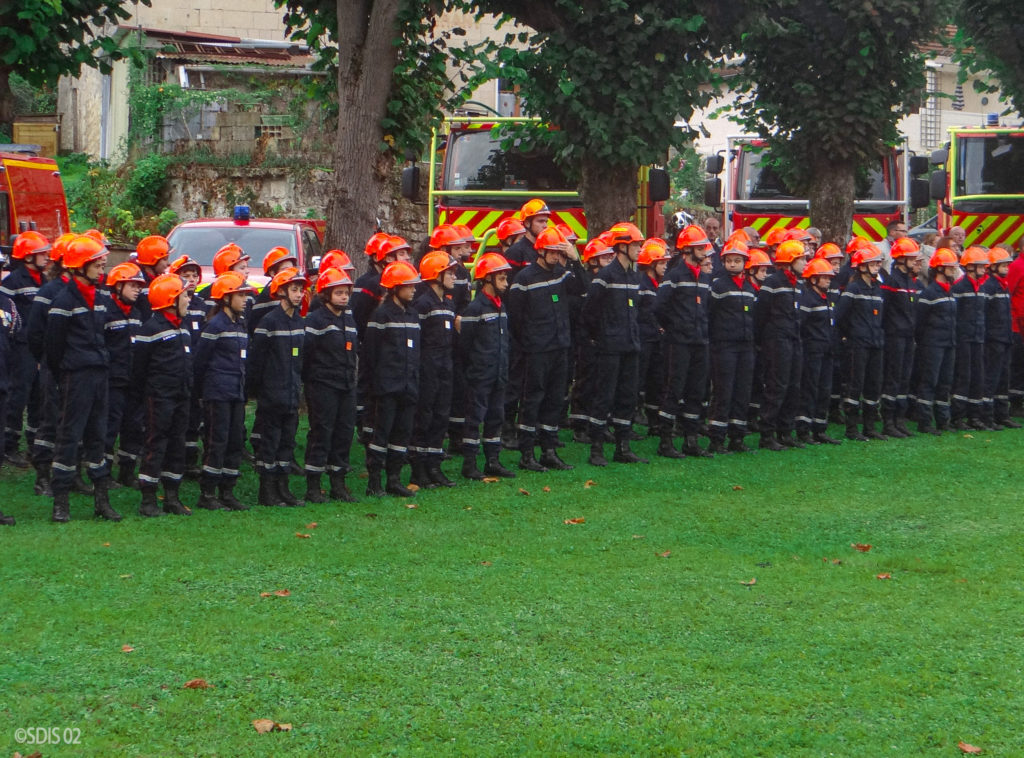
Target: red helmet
[
  {"x": 735, "y": 248},
  {"x": 624, "y": 233},
  {"x": 60, "y": 245},
  {"x": 596, "y": 246},
  {"x": 655, "y": 249},
  {"x": 332, "y": 277},
  {"x": 568, "y": 233},
  {"x": 81, "y": 251},
  {"x": 549, "y": 239},
  {"x": 758, "y": 258},
  {"x": 818, "y": 267},
  {"x": 151, "y": 250},
  {"x": 490, "y": 263},
  {"x": 393, "y": 244},
  {"x": 29, "y": 243},
  {"x": 789, "y": 250},
  {"x": 228, "y": 256},
  {"x": 829, "y": 251},
  {"x": 855, "y": 244},
  {"x": 229, "y": 283},
  {"x": 164, "y": 290},
  {"x": 692, "y": 236},
  {"x": 974, "y": 255},
  {"x": 435, "y": 263},
  {"x": 510, "y": 227},
  {"x": 97, "y": 235},
  {"x": 905, "y": 247},
  {"x": 444, "y": 235},
  {"x": 798, "y": 234},
  {"x": 278, "y": 255},
  {"x": 535, "y": 207},
  {"x": 866, "y": 254},
  {"x": 337, "y": 259},
  {"x": 283, "y": 278},
  {"x": 741, "y": 235},
  {"x": 398, "y": 273},
  {"x": 774, "y": 236},
  {"x": 999, "y": 254},
  {"x": 183, "y": 262},
  {"x": 943, "y": 257},
  {"x": 373, "y": 244},
  {"x": 124, "y": 272},
  {"x": 466, "y": 235}
]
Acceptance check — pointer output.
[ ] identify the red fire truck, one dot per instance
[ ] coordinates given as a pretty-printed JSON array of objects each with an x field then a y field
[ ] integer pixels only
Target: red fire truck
[
  {"x": 476, "y": 182},
  {"x": 754, "y": 195},
  {"x": 31, "y": 194},
  {"x": 980, "y": 185}
]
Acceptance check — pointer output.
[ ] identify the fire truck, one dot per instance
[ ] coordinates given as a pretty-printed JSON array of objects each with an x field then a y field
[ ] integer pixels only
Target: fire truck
[
  {"x": 31, "y": 194},
  {"x": 753, "y": 194},
  {"x": 980, "y": 184},
  {"x": 474, "y": 181}
]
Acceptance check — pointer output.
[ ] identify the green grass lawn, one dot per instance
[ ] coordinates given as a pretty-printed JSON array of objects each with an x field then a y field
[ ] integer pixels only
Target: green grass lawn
[{"x": 479, "y": 623}]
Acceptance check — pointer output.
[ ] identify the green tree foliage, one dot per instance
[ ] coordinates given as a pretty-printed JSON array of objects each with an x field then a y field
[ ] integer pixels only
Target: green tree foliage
[
  {"x": 990, "y": 38},
  {"x": 41, "y": 40},
  {"x": 825, "y": 82}
]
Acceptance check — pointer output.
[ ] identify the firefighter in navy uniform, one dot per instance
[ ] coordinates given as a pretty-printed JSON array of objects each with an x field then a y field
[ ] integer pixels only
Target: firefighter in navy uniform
[
  {"x": 969, "y": 370},
  {"x": 436, "y": 312},
  {"x": 682, "y": 308},
  {"x": 21, "y": 286},
  {"x": 152, "y": 257},
  {"x": 935, "y": 316},
  {"x": 652, "y": 263},
  {"x": 125, "y": 283},
  {"x": 534, "y": 216},
  {"x": 162, "y": 374},
  {"x": 220, "y": 358},
  {"x": 10, "y": 322},
  {"x": 274, "y": 376},
  {"x": 278, "y": 259},
  {"x": 538, "y": 317},
  {"x": 329, "y": 373},
  {"x": 817, "y": 338},
  {"x": 899, "y": 291},
  {"x": 77, "y": 355},
  {"x": 610, "y": 314},
  {"x": 195, "y": 316},
  {"x": 392, "y": 350},
  {"x": 998, "y": 340}
]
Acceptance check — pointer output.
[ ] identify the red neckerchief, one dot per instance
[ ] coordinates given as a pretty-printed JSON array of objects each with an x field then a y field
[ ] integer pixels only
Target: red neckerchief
[
  {"x": 174, "y": 318},
  {"x": 695, "y": 270},
  {"x": 126, "y": 308},
  {"x": 88, "y": 292},
  {"x": 790, "y": 275},
  {"x": 1002, "y": 281},
  {"x": 37, "y": 276},
  {"x": 944, "y": 285},
  {"x": 495, "y": 300},
  {"x": 824, "y": 295},
  {"x": 976, "y": 283},
  {"x": 739, "y": 280},
  {"x": 754, "y": 283},
  {"x": 653, "y": 281}
]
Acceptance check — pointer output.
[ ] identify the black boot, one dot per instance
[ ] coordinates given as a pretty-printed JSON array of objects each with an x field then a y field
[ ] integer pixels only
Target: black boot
[
  {"x": 737, "y": 445},
  {"x": 284, "y": 493},
  {"x": 420, "y": 477},
  {"x": 313, "y": 492},
  {"x": 394, "y": 485},
  {"x": 823, "y": 438},
  {"x": 42, "y": 485},
  {"x": 374, "y": 488},
  {"x": 61, "y": 508},
  {"x": 227, "y": 497},
  {"x": 805, "y": 437},
  {"x": 437, "y": 475},
  {"x": 338, "y": 489},
  {"x": 550, "y": 459},
  {"x": 597, "y": 454},
  {"x": 623, "y": 453},
  {"x": 80, "y": 486},
  {"x": 717, "y": 447},
  {"x": 668, "y": 450},
  {"x": 172, "y": 503},
  {"x": 493, "y": 467},
  {"x": 149, "y": 507},
  {"x": 692, "y": 448},
  {"x": 208, "y": 497},
  {"x": 101, "y": 501},
  {"x": 126, "y": 473},
  {"x": 6, "y": 520},
  {"x": 268, "y": 494},
  {"x": 469, "y": 468},
  {"x": 786, "y": 439},
  {"x": 528, "y": 463},
  {"x": 1009, "y": 423},
  {"x": 853, "y": 427},
  {"x": 768, "y": 442}
]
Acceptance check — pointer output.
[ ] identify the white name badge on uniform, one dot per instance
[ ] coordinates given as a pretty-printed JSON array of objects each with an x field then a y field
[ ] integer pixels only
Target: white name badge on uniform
[
  {"x": 243, "y": 352},
  {"x": 447, "y": 324},
  {"x": 408, "y": 343},
  {"x": 195, "y": 326},
  {"x": 188, "y": 349}
]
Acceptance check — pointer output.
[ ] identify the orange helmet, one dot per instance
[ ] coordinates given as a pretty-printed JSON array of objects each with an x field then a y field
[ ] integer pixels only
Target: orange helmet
[
  {"x": 283, "y": 278},
  {"x": 82, "y": 250},
  {"x": 97, "y": 235},
  {"x": 151, "y": 250},
  {"x": 228, "y": 256},
  {"x": 943, "y": 257},
  {"x": 829, "y": 251},
  {"x": 818, "y": 267},
  {"x": 337, "y": 259},
  {"x": 124, "y": 272},
  {"x": 999, "y": 254},
  {"x": 60, "y": 245},
  {"x": 568, "y": 233},
  {"x": 693, "y": 236},
  {"x": 490, "y": 263},
  {"x": 532, "y": 208},
  {"x": 596, "y": 246},
  {"x": 624, "y": 233},
  {"x": 789, "y": 250},
  {"x": 973, "y": 255},
  {"x": 435, "y": 263},
  {"x": 741, "y": 235},
  {"x": 398, "y": 273},
  {"x": 278, "y": 255},
  {"x": 392, "y": 244},
  {"x": 855, "y": 244},
  {"x": 374, "y": 243},
  {"x": 229, "y": 283},
  {"x": 655, "y": 249},
  {"x": 758, "y": 258},
  {"x": 774, "y": 236},
  {"x": 183, "y": 262},
  {"x": 466, "y": 235},
  {"x": 164, "y": 290},
  {"x": 865, "y": 254},
  {"x": 549, "y": 239},
  {"x": 444, "y": 235},
  {"x": 332, "y": 277},
  {"x": 736, "y": 248},
  {"x": 905, "y": 247},
  {"x": 29, "y": 243},
  {"x": 798, "y": 234},
  {"x": 510, "y": 227}
]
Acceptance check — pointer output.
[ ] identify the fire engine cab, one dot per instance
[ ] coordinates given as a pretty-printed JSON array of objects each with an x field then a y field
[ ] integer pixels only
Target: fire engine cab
[{"x": 31, "y": 194}]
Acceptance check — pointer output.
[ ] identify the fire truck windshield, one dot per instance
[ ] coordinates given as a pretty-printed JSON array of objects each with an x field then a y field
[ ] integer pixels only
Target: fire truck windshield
[
  {"x": 760, "y": 181},
  {"x": 200, "y": 242},
  {"x": 990, "y": 165},
  {"x": 476, "y": 161}
]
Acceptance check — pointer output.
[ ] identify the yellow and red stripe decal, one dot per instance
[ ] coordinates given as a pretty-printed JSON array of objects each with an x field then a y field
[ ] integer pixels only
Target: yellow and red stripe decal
[
  {"x": 868, "y": 227},
  {"x": 479, "y": 220},
  {"x": 990, "y": 228}
]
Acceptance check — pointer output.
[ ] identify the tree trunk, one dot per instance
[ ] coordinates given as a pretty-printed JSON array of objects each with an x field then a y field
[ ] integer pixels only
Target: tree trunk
[
  {"x": 366, "y": 60},
  {"x": 831, "y": 196},
  {"x": 609, "y": 193},
  {"x": 6, "y": 102}
]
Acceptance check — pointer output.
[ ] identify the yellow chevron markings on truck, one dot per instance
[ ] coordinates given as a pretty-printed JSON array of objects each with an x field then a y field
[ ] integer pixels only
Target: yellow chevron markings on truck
[
  {"x": 995, "y": 232},
  {"x": 569, "y": 220}
]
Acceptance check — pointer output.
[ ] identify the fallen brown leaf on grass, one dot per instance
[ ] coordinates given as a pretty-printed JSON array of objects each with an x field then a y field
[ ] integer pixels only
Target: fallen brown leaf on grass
[
  {"x": 36, "y": 754},
  {"x": 106, "y": 544},
  {"x": 364, "y": 475},
  {"x": 737, "y": 487},
  {"x": 276, "y": 593},
  {"x": 968, "y": 436},
  {"x": 302, "y": 536},
  {"x": 468, "y": 508},
  {"x": 961, "y": 581},
  {"x": 411, "y": 505},
  {"x": 638, "y": 536},
  {"x": 263, "y": 726},
  {"x": 486, "y": 563},
  {"x": 588, "y": 484},
  {"x": 884, "y": 576},
  {"x": 547, "y": 489},
  {"x": 312, "y": 525},
  {"x": 523, "y": 492},
  {"x": 196, "y": 684},
  {"x": 127, "y": 649},
  {"x": 666, "y": 554},
  {"x": 967, "y": 748},
  {"x": 412, "y": 487},
  {"x": 751, "y": 583},
  {"x": 124, "y": 576},
  {"x": 491, "y": 480},
  {"x": 574, "y": 520},
  {"x": 370, "y": 515},
  {"x": 837, "y": 562},
  {"x": 860, "y": 546}
]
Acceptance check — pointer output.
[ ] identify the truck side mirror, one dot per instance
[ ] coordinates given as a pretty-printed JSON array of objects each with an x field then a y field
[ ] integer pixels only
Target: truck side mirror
[
  {"x": 937, "y": 184},
  {"x": 411, "y": 182},
  {"x": 920, "y": 193},
  {"x": 714, "y": 164},
  {"x": 918, "y": 165},
  {"x": 939, "y": 156},
  {"x": 713, "y": 192},
  {"x": 659, "y": 188}
]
